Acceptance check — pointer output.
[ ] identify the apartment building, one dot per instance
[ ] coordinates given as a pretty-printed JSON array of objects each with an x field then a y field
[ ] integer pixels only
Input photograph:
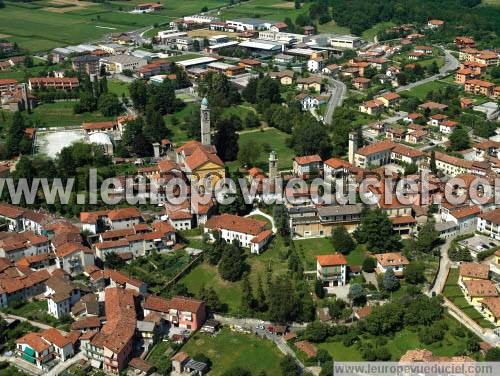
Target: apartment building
[
  {"x": 179, "y": 311},
  {"x": 64, "y": 83}
]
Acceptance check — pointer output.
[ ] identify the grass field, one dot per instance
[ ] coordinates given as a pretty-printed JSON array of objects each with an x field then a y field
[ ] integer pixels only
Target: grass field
[
  {"x": 159, "y": 356},
  {"x": 310, "y": 248},
  {"x": 402, "y": 341},
  {"x": 41, "y": 26},
  {"x": 231, "y": 349},
  {"x": 118, "y": 87},
  {"x": 421, "y": 91},
  {"x": 369, "y": 34},
  {"x": 230, "y": 292},
  {"x": 453, "y": 292},
  {"x": 60, "y": 114},
  {"x": 273, "y": 139}
]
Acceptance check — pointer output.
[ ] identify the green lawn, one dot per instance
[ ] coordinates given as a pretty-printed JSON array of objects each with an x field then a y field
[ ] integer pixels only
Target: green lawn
[
  {"x": 453, "y": 292},
  {"x": 60, "y": 114},
  {"x": 370, "y": 33},
  {"x": 231, "y": 349},
  {"x": 177, "y": 58},
  {"x": 159, "y": 356},
  {"x": 271, "y": 139},
  {"x": 157, "y": 269},
  {"x": 230, "y": 292},
  {"x": 402, "y": 341},
  {"x": 332, "y": 27},
  {"x": 308, "y": 249},
  {"x": 421, "y": 91},
  {"x": 118, "y": 87}
]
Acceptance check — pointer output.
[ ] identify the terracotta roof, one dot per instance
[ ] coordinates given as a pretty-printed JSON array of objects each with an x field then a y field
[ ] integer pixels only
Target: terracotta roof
[
  {"x": 307, "y": 347},
  {"x": 112, "y": 244},
  {"x": 124, "y": 213},
  {"x": 337, "y": 163},
  {"x": 262, "y": 236},
  {"x": 480, "y": 83},
  {"x": 306, "y": 159},
  {"x": 182, "y": 303},
  {"x": 391, "y": 96},
  {"x": 55, "y": 337},
  {"x": 331, "y": 260},
  {"x": 87, "y": 322},
  {"x": 403, "y": 219},
  {"x": 121, "y": 278},
  {"x": 361, "y": 313},
  {"x": 491, "y": 216},
  {"x": 117, "y": 233},
  {"x": 156, "y": 303},
  {"x": 10, "y": 211},
  {"x": 35, "y": 341},
  {"x": 480, "y": 288},
  {"x": 235, "y": 223},
  {"x": 473, "y": 270},
  {"x": 391, "y": 259},
  {"x": 466, "y": 212},
  {"x": 201, "y": 156},
  {"x": 373, "y": 103},
  {"x": 493, "y": 304},
  {"x": 70, "y": 248},
  {"x": 376, "y": 147},
  {"x": 99, "y": 125},
  {"x": 141, "y": 365},
  {"x": 180, "y": 357}
]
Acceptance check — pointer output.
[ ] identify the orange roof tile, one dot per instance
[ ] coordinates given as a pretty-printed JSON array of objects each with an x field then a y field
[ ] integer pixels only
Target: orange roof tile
[{"x": 331, "y": 260}]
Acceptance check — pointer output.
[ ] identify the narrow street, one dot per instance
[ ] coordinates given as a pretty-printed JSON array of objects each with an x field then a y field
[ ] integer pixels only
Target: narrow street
[
  {"x": 338, "y": 90},
  {"x": 450, "y": 64}
]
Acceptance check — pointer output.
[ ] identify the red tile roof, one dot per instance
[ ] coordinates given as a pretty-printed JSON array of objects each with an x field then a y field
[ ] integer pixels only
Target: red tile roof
[
  {"x": 331, "y": 260},
  {"x": 235, "y": 223},
  {"x": 473, "y": 270},
  {"x": 306, "y": 159}
]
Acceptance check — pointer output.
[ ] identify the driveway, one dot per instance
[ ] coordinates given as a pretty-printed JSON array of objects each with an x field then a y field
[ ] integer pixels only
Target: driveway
[
  {"x": 338, "y": 90},
  {"x": 265, "y": 215}
]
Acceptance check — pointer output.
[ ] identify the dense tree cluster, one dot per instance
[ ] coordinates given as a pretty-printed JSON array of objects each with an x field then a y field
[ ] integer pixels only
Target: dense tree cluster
[{"x": 376, "y": 231}]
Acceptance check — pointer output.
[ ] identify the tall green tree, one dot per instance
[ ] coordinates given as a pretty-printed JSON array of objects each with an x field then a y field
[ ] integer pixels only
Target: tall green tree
[
  {"x": 376, "y": 231},
  {"x": 389, "y": 281},
  {"x": 342, "y": 240},
  {"x": 459, "y": 139},
  {"x": 226, "y": 139}
]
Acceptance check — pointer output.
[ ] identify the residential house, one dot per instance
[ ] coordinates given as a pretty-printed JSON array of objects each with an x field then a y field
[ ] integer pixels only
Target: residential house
[
  {"x": 435, "y": 24},
  {"x": 314, "y": 83},
  {"x": 179, "y": 311},
  {"x": 464, "y": 217},
  {"x": 73, "y": 257},
  {"x": 361, "y": 83},
  {"x": 389, "y": 99},
  {"x": 316, "y": 64},
  {"x": 490, "y": 308},
  {"x": 61, "y": 295},
  {"x": 394, "y": 260},
  {"x": 331, "y": 269},
  {"x": 18, "y": 245},
  {"x": 251, "y": 233},
  {"x": 475, "y": 290},
  {"x": 372, "y": 107},
  {"x": 447, "y": 126},
  {"x": 307, "y": 166}
]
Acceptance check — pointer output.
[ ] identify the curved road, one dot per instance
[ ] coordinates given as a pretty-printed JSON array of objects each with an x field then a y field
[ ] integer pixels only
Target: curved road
[{"x": 450, "y": 64}]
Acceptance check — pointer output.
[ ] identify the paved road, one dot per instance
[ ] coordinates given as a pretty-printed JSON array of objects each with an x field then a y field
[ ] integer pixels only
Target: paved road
[
  {"x": 444, "y": 267},
  {"x": 337, "y": 90},
  {"x": 450, "y": 64},
  {"x": 20, "y": 318}
]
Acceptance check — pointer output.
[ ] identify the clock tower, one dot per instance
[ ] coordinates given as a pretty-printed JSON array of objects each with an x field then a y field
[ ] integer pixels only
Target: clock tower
[{"x": 205, "y": 122}]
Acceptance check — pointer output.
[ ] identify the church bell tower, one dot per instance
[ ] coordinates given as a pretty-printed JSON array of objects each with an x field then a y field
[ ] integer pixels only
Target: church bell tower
[{"x": 205, "y": 122}]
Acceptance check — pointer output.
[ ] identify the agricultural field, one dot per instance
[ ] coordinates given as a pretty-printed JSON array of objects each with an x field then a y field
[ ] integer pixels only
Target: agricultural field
[
  {"x": 275, "y": 10},
  {"x": 231, "y": 349},
  {"x": 38, "y": 26}
]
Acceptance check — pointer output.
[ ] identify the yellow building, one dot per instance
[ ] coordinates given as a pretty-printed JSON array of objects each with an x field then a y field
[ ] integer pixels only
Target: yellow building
[
  {"x": 477, "y": 290},
  {"x": 201, "y": 162},
  {"x": 490, "y": 307}
]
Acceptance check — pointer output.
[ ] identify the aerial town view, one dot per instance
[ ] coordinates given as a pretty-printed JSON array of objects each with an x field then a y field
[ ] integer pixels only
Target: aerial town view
[{"x": 249, "y": 187}]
